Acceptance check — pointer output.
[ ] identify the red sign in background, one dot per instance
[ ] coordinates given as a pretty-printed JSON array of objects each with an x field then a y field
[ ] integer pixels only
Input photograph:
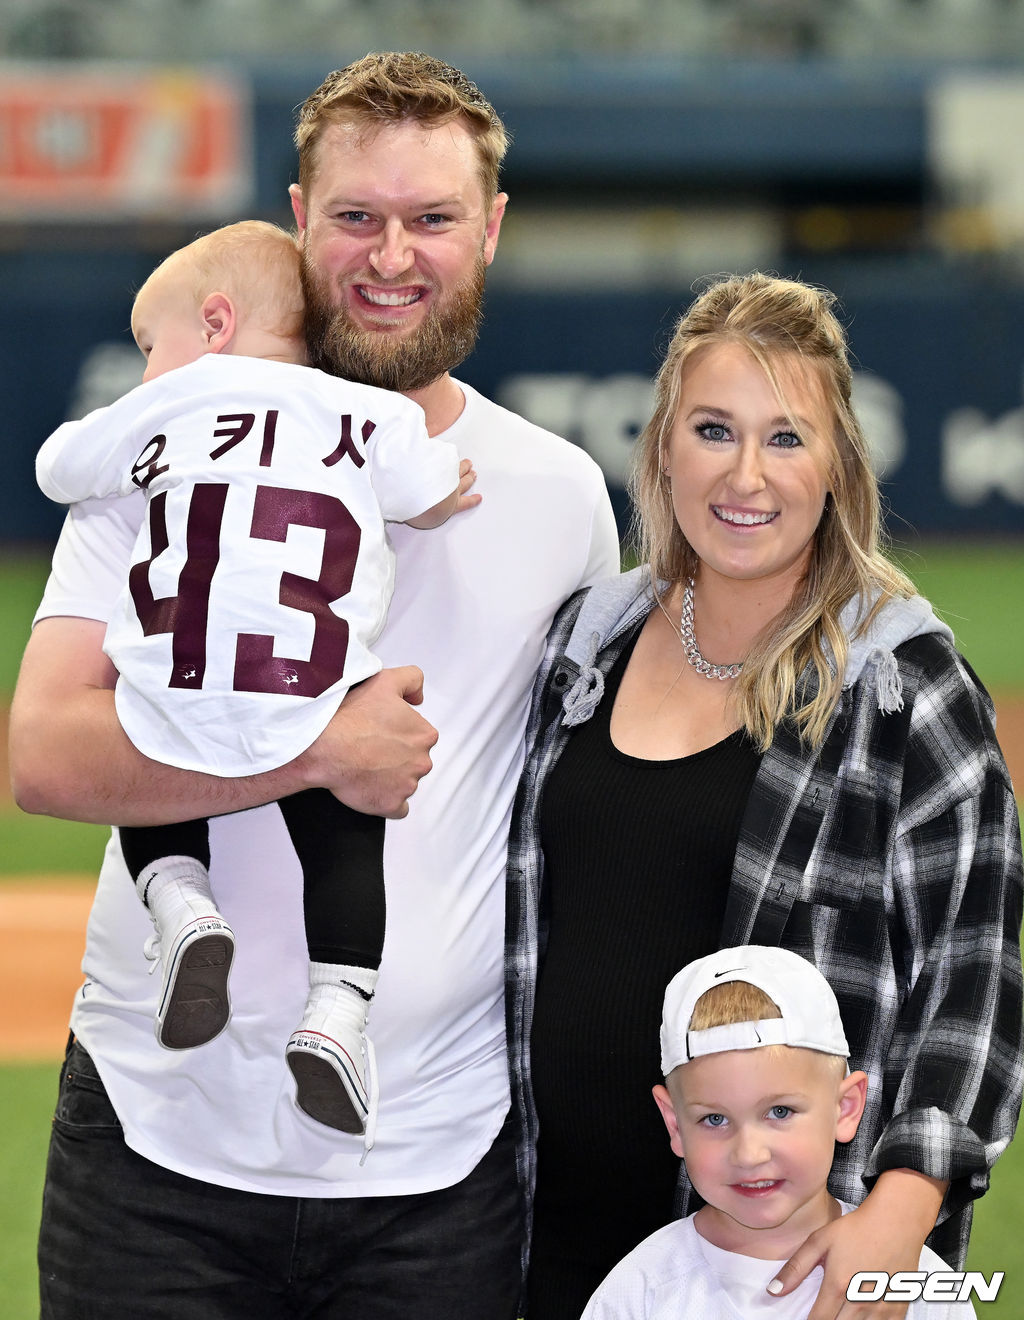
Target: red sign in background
[{"x": 121, "y": 141}]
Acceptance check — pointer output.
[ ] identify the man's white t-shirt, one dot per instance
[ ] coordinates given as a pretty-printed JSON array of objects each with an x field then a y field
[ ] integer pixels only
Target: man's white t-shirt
[
  {"x": 472, "y": 604},
  {"x": 261, "y": 575},
  {"x": 676, "y": 1273}
]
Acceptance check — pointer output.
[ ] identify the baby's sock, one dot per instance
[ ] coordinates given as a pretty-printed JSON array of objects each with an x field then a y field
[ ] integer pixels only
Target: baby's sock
[
  {"x": 169, "y": 882},
  {"x": 359, "y": 982}
]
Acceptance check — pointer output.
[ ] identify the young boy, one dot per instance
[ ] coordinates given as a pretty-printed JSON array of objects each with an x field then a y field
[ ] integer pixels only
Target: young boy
[
  {"x": 757, "y": 1093},
  {"x": 260, "y": 581}
]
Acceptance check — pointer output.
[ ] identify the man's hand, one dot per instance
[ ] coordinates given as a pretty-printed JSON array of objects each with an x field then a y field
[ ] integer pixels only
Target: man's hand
[
  {"x": 886, "y": 1232},
  {"x": 376, "y": 749}
]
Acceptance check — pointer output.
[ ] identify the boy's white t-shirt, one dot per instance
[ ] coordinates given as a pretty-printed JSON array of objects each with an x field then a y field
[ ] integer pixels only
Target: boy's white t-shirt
[
  {"x": 676, "y": 1273},
  {"x": 262, "y": 574},
  {"x": 472, "y": 605}
]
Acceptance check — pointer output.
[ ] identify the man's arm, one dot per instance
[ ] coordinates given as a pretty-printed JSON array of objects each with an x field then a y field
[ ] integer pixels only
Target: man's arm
[{"x": 70, "y": 757}]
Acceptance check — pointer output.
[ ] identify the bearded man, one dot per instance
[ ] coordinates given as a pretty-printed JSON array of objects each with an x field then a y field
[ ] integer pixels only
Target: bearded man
[{"x": 188, "y": 1183}]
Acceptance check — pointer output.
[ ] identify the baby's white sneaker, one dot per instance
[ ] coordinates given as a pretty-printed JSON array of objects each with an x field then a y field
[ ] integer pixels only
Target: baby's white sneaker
[
  {"x": 331, "y": 1060},
  {"x": 195, "y": 945}
]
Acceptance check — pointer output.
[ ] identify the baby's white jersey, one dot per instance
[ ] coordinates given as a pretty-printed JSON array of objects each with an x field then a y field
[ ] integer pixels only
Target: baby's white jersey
[
  {"x": 262, "y": 574},
  {"x": 472, "y": 607}
]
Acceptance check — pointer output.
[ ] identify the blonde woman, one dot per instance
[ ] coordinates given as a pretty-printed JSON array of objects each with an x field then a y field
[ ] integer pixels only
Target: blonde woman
[{"x": 763, "y": 735}]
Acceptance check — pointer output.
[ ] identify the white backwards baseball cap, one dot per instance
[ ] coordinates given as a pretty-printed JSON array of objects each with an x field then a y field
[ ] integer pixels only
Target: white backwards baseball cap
[{"x": 810, "y": 1014}]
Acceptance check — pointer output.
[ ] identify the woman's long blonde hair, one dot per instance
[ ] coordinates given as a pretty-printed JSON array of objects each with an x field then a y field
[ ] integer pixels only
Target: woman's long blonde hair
[{"x": 778, "y": 320}]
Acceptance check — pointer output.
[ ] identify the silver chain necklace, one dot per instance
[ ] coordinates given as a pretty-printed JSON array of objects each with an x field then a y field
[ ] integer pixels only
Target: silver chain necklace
[{"x": 692, "y": 650}]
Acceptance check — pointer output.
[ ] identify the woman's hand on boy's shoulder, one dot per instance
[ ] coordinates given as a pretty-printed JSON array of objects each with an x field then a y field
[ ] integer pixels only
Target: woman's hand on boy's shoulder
[{"x": 884, "y": 1233}]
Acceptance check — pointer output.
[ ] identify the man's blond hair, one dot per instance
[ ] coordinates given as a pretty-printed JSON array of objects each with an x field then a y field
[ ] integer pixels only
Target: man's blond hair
[{"x": 394, "y": 87}]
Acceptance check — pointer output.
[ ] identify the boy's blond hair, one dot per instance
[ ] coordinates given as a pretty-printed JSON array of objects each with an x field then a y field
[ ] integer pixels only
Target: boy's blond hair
[
  {"x": 732, "y": 1001},
  {"x": 739, "y": 1001}
]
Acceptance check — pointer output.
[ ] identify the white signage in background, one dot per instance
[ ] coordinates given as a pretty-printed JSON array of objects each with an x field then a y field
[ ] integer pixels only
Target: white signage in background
[
  {"x": 102, "y": 142},
  {"x": 602, "y": 414},
  {"x": 105, "y": 373},
  {"x": 983, "y": 456},
  {"x": 879, "y": 408}
]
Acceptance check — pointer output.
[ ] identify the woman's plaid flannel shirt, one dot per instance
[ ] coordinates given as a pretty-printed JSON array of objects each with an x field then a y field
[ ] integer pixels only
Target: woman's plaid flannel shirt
[{"x": 892, "y": 860}]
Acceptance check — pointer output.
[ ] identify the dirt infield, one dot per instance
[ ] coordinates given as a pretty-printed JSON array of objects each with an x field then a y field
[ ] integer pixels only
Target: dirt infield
[
  {"x": 42, "y": 934},
  {"x": 1010, "y": 728},
  {"x": 42, "y": 930}
]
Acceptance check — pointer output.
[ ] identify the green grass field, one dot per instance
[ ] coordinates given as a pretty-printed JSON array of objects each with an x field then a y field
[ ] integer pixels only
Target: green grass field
[{"x": 978, "y": 589}]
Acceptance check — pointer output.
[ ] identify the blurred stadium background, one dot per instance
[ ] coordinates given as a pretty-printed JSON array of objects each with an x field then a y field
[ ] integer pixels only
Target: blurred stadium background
[{"x": 875, "y": 146}]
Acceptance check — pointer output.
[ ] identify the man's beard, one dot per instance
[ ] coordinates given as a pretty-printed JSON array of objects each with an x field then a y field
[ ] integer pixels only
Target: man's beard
[{"x": 389, "y": 360}]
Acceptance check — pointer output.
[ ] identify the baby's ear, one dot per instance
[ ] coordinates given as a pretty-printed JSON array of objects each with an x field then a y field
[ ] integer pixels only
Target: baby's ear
[
  {"x": 218, "y": 317},
  {"x": 664, "y": 1102},
  {"x": 853, "y": 1093}
]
